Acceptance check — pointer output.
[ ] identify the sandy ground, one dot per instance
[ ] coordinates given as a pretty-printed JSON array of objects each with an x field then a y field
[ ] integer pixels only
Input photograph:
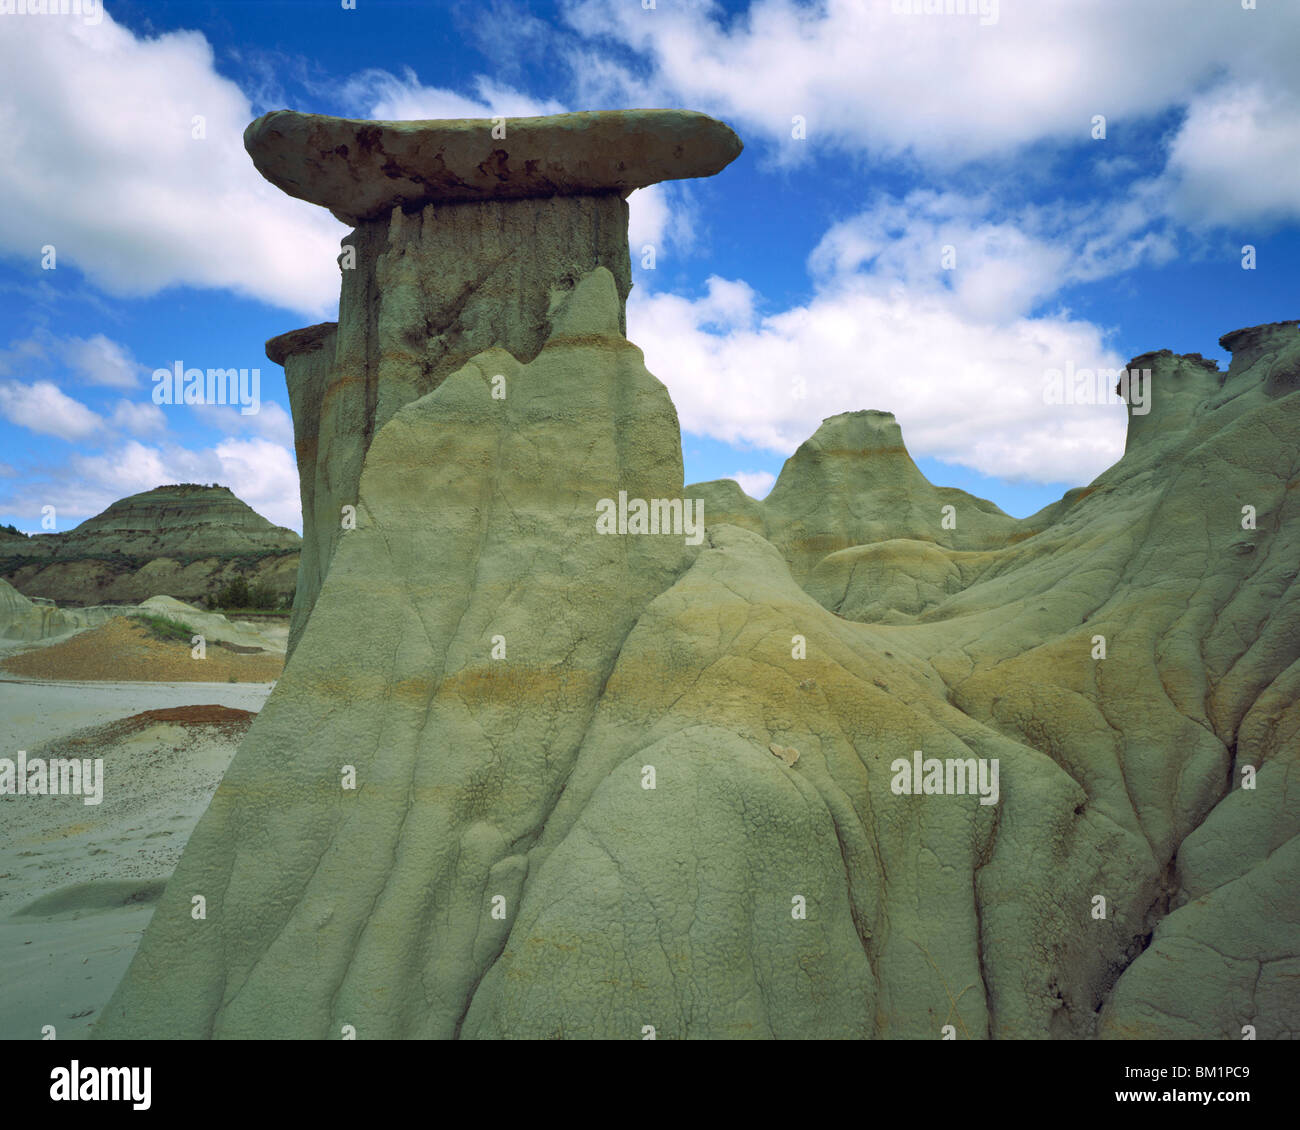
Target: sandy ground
[
  {"x": 123, "y": 649},
  {"x": 78, "y": 882},
  {"x": 36, "y": 711}
]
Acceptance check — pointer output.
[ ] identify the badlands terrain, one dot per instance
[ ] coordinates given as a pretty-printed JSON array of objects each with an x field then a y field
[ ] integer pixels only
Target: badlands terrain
[
  {"x": 87, "y": 680},
  {"x": 868, "y": 758},
  {"x": 184, "y": 540},
  {"x": 78, "y": 881}
]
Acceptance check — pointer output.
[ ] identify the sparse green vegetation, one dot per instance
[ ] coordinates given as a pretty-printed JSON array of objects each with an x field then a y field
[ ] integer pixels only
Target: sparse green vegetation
[
  {"x": 263, "y": 597},
  {"x": 233, "y": 594},
  {"x": 118, "y": 562},
  {"x": 249, "y": 560},
  {"x": 237, "y": 595},
  {"x": 164, "y": 627}
]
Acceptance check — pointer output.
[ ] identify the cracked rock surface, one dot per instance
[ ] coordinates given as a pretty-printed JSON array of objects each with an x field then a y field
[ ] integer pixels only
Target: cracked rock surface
[{"x": 568, "y": 818}]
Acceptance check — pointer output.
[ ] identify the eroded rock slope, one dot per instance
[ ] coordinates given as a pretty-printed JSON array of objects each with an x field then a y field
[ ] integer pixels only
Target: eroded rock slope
[
  {"x": 522, "y": 778},
  {"x": 183, "y": 539}
]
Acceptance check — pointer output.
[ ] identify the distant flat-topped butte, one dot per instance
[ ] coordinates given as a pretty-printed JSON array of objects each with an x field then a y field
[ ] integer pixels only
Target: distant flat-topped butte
[{"x": 361, "y": 169}]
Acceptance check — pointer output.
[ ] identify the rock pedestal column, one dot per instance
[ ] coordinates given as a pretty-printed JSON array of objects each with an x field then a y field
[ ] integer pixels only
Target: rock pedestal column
[{"x": 467, "y": 235}]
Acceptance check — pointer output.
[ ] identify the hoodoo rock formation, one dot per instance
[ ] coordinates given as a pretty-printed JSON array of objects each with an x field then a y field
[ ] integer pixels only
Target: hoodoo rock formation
[
  {"x": 468, "y": 235},
  {"x": 518, "y": 778}
]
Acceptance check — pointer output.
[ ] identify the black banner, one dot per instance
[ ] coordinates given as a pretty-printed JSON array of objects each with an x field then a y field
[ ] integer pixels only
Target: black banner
[{"x": 360, "y": 1077}]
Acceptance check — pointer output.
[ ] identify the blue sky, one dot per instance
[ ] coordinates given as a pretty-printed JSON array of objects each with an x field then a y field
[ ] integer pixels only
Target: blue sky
[{"x": 808, "y": 278}]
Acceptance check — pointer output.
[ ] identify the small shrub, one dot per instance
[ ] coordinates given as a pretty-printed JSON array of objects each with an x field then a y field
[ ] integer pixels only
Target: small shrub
[
  {"x": 233, "y": 594},
  {"x": 262, "y": 597}
]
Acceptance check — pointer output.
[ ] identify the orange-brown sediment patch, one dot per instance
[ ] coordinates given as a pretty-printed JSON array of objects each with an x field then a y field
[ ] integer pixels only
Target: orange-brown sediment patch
[
  {"x": 122, "y": 651},
  {"x": 226, "y": 720}
]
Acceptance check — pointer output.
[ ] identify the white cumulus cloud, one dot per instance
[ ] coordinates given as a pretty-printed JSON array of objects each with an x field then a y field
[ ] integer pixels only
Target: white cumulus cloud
[
  {"x": 139, "y": 418},
  {"x": 98, "y": 159},
  {"x": 867, "y": 78},
  {"x": 44, "y": 408},
  {"x": 1234, "y": 160},
  {"x": 960, "y": 356},
  {"x": 756, "y": 484},
  {"x": 382, "y": 95},
  {"x": 99, "y": 360}
]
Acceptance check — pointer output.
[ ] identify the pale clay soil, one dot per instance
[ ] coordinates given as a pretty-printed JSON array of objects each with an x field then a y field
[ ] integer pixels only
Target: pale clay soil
[{"x": 78, "y": 882}]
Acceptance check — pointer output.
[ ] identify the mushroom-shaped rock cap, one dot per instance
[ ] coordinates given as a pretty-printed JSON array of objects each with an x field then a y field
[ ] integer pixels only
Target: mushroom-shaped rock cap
[
  {"x": 279, "y": 349},
  {"x": 360, "y": 169}
]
